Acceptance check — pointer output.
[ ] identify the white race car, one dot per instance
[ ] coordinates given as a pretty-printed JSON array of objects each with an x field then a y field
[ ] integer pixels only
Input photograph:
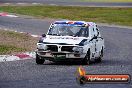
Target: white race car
[{"x": 71, "y": 41}]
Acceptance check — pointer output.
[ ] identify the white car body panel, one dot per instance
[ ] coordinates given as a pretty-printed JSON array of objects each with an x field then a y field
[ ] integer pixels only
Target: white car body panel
[{"x": 57, "y": 42}]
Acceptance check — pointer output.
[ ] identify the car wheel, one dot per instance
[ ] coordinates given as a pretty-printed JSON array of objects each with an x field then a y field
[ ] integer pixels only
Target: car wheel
[
  {"x": 39, "y": 60},
  {"x": 86, "y": 60},
  {"x": 100, "y": 58}
]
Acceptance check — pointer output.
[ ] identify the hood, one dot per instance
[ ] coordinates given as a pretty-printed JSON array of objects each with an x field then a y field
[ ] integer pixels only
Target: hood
[{"x": 63, "y": 39}]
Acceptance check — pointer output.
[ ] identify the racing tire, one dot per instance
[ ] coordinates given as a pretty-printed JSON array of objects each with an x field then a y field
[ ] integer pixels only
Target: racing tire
[
  {"x": 101, "y": 56},
  {"x": 86, "y": 59},
  {"x": 39, "y": 60}
]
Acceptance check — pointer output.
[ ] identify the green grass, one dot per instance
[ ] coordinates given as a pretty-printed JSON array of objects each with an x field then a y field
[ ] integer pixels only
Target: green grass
[
  {"x": 7, "y": 49},
  {"x": 106, "y": 1},
  {"x": 13, "y": 42},
  {"x": 120, "y": 16},
  {"x": 15, "y": 35}
]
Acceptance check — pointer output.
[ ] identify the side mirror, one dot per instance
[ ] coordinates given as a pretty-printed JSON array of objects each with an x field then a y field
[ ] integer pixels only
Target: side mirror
[
  {"x": 95, "y": 37},
  {"x": 43, "y": 35}
]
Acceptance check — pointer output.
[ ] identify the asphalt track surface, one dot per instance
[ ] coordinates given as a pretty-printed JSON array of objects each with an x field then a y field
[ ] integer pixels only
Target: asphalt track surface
[
  {"x": 70, "y": 2},
  {"x": 27, "y": 74}
]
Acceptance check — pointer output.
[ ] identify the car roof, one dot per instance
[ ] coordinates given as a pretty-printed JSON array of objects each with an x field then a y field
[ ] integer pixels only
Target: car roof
[{"x": 75, "y": 22}]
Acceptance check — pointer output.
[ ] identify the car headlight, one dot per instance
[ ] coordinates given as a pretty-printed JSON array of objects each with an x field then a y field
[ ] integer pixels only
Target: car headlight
[
  {"x": 78, "y": 49},
  {"x": 41, "y": 46}
]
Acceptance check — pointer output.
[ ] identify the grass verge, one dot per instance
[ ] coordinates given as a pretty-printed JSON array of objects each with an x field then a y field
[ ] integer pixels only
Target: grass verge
[
  {"x": 121, "y": 1},
  {"x": 120, "y": 16},
  {"x": 12, "y": 42}
]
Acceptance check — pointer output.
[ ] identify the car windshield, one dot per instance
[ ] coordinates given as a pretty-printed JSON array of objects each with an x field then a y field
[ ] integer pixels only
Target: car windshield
[{"x": 68, "y": 30}]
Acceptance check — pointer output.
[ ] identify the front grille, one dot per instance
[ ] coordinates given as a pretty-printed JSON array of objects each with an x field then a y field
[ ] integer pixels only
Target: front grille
[
  {"x": 42, "y": 53},
  {"x": 40, "y": 49},
  {"x": 67, "y": 48},
  {"x": 53, "y": 48}
]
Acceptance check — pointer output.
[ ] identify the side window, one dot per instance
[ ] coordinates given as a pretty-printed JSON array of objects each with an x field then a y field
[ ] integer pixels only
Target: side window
[
  {"x": 92, "y": 31},
  {"x": 97, "y": 31},
  {"x": 87, "y": 32}
]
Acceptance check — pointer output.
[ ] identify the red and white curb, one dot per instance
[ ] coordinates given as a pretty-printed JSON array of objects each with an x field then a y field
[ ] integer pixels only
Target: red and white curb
[
  {"x": 7, "y": 14},
  {"x": 20, "y": 56}
]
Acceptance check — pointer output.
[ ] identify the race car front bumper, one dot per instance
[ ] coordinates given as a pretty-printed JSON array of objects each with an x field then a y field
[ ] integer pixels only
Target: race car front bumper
[{"x": 48, "y": 55}]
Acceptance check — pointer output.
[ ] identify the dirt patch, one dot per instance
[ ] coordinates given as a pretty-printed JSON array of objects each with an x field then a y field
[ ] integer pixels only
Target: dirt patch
[{"x": 13, "y": 42}]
